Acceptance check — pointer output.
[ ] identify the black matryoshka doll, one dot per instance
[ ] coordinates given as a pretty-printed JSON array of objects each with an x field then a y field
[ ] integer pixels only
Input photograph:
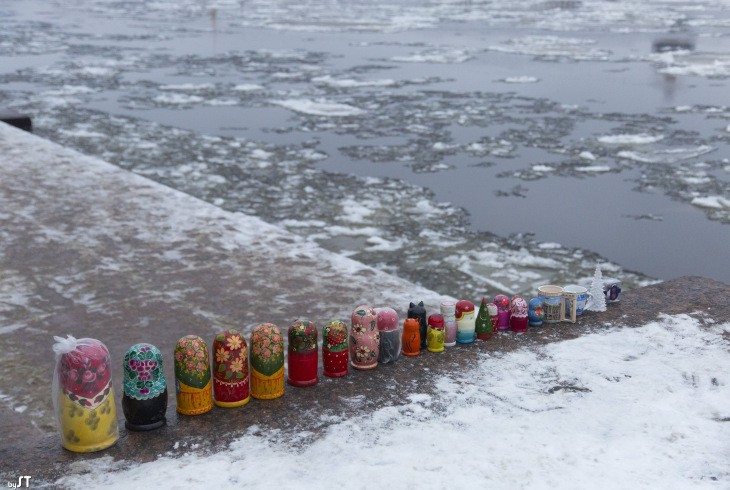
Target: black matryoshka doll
[{"x": 145, "y": 389}]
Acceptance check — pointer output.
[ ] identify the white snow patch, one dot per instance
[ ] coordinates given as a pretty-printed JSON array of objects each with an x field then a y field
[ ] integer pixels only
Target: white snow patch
[
  {"x": 587, "y": 155},
  {"x": 712, "y": 202},
  {"x": 630, "y": 139},
  {"x": 435, "y": 56},
  {"x": 247, "y": 87},
  {"x": 543, "y": 168},
  {"x": 319, "y": 107},
  {"x": 594, "y": 169},
  {"x": 521, "y": 79},
  {"x": 177, "y": 99},
  {"x": 188, "y": 87},
  {"x": 352, "y": 83}
]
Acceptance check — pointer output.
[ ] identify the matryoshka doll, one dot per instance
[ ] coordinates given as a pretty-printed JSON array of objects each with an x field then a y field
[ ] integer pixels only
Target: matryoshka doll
[
  {"x": 418, "y": 311},
  {"x": 390, "y": 336},
  {"x": 535, "y": 313},
  {"x": 448, "y": 311},
  {"x": 411, "y": 337},
  {"x": 303, "y": 357},
  {"x": 231, "y": 383},
  {"x": 267, "y": 362},
  {"x": 145, "y": 389},
  {"x": 436, "y": 334},
  {"x": 503, "y": 312},
  {"x": 364, "y": 338},
  {"x": 83, "y": 397},
  {"x": 518, "y": 314},
  {"x": 192, "y": 376},
  {"x": 483, "y": 323},
  {"x": 465, "y": 322},
  {"x": 335, "y": 354}
]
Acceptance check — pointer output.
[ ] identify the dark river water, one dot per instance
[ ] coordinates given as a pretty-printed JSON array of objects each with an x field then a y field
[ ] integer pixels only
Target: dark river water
[{"x": 469, "y": 146}]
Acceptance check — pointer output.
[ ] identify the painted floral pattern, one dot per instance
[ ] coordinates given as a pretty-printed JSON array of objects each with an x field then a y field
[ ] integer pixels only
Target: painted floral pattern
[
  {"x": 191, "y": 361},
  {"x": 302, "y": 337},
  {"x": 364, "y": 337},
  {"x": 85, "y": 372},
  {"x": 267, "y": 349},
  {"x": 143, "y": 373},
  {"x": 335, "y": 337},
  {"x": 231, "y": 356}
]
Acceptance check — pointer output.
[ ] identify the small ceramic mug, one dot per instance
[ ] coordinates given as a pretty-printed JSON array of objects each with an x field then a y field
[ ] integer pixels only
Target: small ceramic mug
[
  {"x": 612, "y": 289},
  {"x": 552, "y": 302},
  {"x": 581, "y": 297}
]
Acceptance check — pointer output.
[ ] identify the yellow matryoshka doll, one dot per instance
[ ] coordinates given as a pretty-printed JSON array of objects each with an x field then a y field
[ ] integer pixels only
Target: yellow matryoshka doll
[
  {"x": 267, "y": 362},
  {"x": 83, "y": 397},
  {"x": 192, "y": 376}
]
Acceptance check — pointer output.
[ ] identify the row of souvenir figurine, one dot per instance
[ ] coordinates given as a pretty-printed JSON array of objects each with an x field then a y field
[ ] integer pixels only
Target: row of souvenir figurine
[{"x": 84, "y": 399}]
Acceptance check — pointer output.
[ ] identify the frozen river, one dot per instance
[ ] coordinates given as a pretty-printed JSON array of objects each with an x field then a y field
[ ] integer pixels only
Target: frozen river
[{"x": 469, "y": 146}]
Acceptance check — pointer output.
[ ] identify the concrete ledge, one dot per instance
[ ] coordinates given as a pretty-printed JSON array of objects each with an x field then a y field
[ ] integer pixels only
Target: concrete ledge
[{"x": 91, "y": 250}]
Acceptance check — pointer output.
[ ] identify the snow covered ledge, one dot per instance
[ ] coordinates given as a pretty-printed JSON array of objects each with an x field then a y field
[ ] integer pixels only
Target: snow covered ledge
[{"x": 633, "y": 397}]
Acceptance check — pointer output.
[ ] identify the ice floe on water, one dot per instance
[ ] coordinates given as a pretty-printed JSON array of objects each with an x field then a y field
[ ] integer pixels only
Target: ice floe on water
[
  {"x": 554, "y": 48},
  {"x": 440, "y": 55},
  {"x": 630, "y": 139},
  {"x": 319, "y": 107},
  {"x": 645, "y": 404},
  {"x": 521, "y": 79}
]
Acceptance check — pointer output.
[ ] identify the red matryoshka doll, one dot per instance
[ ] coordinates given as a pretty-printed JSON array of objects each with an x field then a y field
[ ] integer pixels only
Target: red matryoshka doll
[
  {"x": 518, "y": 314},
  {"x": 390, "y": 335},
  {"x": 267, "y": 362},
  {"x": 494, "y": 315},
  {"x": 503, "y": 312},
  {"x": 411, "y": 337},
  {"x": 436, "y": 333},
  {"x": 145, "y": 389},
  {"x": 335, "y": 355},
  {"x": 192, "y": 376},
  {"x": 448, "y": 311},
  {"x": 303, "y": 357},
  {"x": 364, "y": 338},
  {"x": 465, "y": 322},
  {"x": 83, "y": 397},
  {"x": 231, "y": 385}
]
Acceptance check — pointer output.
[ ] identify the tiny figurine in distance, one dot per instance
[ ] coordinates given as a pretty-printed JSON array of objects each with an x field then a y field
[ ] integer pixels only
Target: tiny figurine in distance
[
  {"x": 518, "y": 314},
  {"x": 411, "y": 337},
  {"x": 483, "y": 323},
  {"x": 418, "y": 311},
  {"x": 503, "y": 313},
  {"x": 267, "y": 362},
  {"x": 144, "y": 402},
  {"x": 335, "y": 354},
  {"x": 436, "y": 333},
  {"x": 535, "y": 313},
  {"x": 465, "y": 322},
  {"x": 192, "y": 376},
  {"x": 390, "y": 335},
  {"x": 302, "y": 359},
  {"x": 364, "y": 338},
  {"x": 83, "y": 397},
  {"x": 231, "y": 381}
]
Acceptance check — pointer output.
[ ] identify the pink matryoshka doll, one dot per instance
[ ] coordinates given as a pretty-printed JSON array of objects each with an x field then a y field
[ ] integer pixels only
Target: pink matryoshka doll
[
  {"x": 267, "y": 362},
  {"x": 231, "y": 384},
  {"x": 364, "y": 338},
  {"x": 83, "y": 397},
  {"x": 518, "y": 314},
  {"x": 303, "y": 356},
  {"x": 503, "y": 313},
  {"x": 192, "y": 376},
  {"x": 335, "y": 354}
]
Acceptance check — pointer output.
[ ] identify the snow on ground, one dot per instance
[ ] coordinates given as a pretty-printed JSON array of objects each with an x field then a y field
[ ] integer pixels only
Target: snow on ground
[
  {"x": 630, "y": 139},
  {"x": 641, "y": 407}
]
